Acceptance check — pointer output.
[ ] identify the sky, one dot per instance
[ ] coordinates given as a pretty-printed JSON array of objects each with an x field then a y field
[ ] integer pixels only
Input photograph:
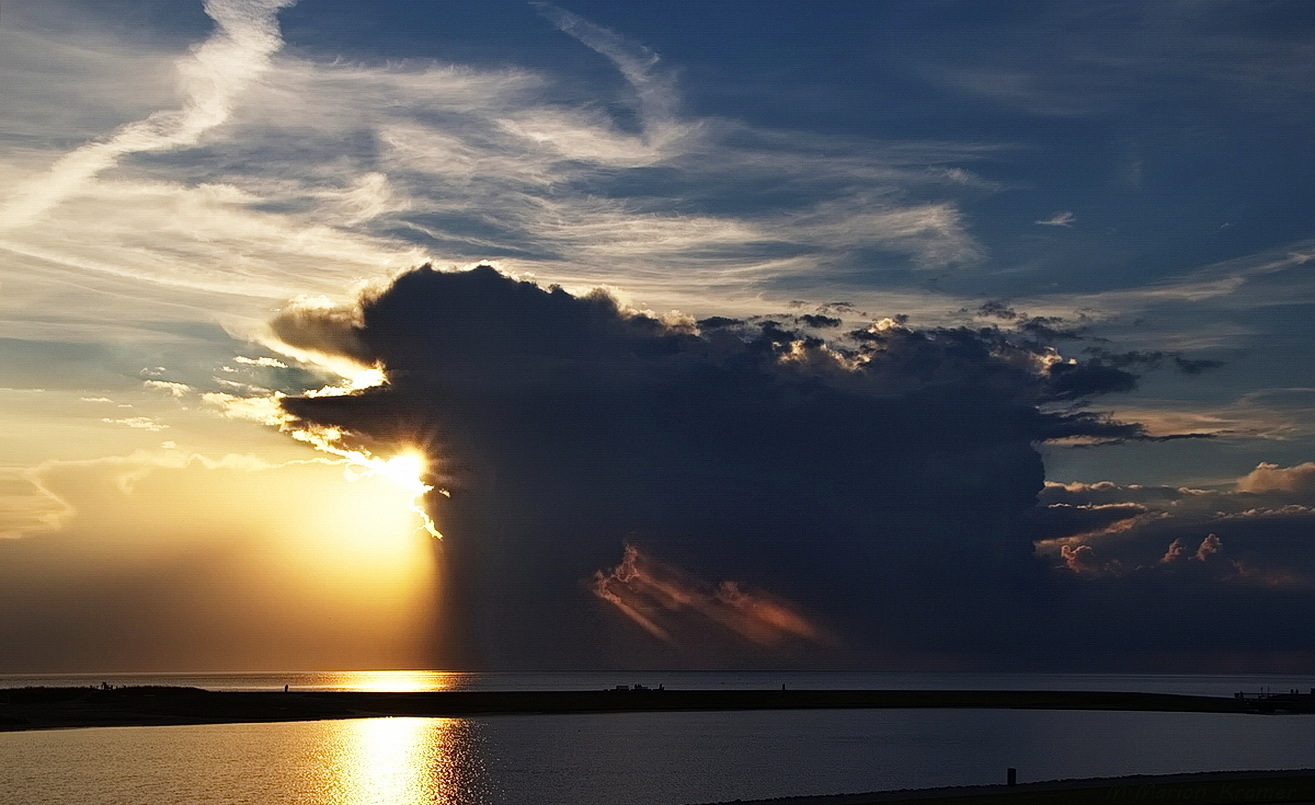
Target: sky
[{"x": 517, "y": 335}]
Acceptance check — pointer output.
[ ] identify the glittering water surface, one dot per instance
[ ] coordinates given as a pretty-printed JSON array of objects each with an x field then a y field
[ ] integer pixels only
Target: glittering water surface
[
  {"x": 624, "y": 758},
  {"x": 380, "y": 760}
]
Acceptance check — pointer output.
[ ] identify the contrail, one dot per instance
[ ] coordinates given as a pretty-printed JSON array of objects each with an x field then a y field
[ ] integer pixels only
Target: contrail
[{"x": 212, "y": 76}]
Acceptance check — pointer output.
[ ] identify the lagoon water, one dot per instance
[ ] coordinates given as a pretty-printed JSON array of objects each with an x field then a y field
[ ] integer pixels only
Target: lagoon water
[{"x": 640, "y": 757}]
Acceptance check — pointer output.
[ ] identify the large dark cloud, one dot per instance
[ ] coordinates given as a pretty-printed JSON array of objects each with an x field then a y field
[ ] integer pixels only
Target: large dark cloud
[{"x": 877, "y": 486}]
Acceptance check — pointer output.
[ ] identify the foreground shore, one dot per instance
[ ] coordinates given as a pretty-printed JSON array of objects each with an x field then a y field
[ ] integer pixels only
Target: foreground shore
[
  {"x": 58, "y": 707},
  {"x": 1203, "y": 788}
]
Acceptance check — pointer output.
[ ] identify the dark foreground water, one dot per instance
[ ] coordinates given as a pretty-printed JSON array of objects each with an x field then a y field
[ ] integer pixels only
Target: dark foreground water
[{"x": 645, "y": 757}]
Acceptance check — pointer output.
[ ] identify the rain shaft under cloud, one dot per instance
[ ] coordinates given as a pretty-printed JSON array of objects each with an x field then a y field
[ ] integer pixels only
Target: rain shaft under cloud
[{"x": 872, "y": 489}]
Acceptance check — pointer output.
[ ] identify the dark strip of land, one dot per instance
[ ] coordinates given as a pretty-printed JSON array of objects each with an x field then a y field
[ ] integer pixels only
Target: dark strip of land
[
  {"x": 54, "y": 707},
  {"x": 1205, "y": 788}
]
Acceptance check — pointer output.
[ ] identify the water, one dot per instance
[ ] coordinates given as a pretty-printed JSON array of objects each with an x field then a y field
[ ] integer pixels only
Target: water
[{"x": 643, "y": 758}]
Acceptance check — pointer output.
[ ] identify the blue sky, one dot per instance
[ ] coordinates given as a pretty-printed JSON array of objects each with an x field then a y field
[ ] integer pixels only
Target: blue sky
[{"x": 176, "y": 173}]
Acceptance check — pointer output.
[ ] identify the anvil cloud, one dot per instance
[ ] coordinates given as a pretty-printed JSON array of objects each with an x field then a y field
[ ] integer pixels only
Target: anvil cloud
[{"x": 854, "y": 479}]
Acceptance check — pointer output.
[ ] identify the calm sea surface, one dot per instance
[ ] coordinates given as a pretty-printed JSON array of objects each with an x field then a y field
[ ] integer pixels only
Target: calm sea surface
[{"x": 635, "y": 758}]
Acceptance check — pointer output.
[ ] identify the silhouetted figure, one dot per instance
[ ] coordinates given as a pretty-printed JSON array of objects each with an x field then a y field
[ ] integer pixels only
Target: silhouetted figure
[{"x": 285, "y": 688}]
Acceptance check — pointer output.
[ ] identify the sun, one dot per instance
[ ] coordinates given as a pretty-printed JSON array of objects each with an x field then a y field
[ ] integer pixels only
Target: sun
[{"x": 407, "y": 470}]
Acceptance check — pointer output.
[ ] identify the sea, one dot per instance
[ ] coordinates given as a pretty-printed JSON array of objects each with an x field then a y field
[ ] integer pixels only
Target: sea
[{"x": 642, "y": 758}]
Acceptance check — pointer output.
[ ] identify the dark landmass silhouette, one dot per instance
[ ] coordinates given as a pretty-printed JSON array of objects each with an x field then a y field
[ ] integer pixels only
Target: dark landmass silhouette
[
  {"x": 55, "y": 707},
  {"x": 1202, "y": 788}
]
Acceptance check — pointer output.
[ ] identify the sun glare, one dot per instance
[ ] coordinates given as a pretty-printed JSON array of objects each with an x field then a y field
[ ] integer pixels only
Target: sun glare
[
  {"x": 394, "y": 681},
  {"x": 405, "y": 470},
  {"x": 367, "y": 379}
]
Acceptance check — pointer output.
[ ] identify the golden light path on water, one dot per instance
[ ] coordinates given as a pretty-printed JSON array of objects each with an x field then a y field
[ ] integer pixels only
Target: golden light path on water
[
  {"x": 398, "y": 761},
  {"x": 390, "y": 681}
]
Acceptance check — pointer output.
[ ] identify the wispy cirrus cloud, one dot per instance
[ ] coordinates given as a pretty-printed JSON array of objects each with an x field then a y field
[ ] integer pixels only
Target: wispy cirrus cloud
[
  {"x": 211, "y": 77},
  {"x": 655, "y": 91},
  {"x": 280, "y": 175},
  {"x": 1267, "y": 279},
  {"x": 1062, "y": 218},
  {"x": 1277, "y": 414}
]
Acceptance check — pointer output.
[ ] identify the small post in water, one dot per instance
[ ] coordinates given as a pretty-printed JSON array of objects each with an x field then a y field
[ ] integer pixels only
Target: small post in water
[{"x": 1011, "y": 776}]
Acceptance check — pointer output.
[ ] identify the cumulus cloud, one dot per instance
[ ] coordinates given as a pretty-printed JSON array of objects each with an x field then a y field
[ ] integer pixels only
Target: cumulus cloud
[
  {"x": 815, "y": 476},
  {"x": 1080, "y": 558},
  {"x": 1264, "y": 517},
  {"x": 1209, "y": 546},
  {"x": 1239, "y": 561},
  {"x": 1174, "y": 552},
  {"x": 1273, "y": 478}
]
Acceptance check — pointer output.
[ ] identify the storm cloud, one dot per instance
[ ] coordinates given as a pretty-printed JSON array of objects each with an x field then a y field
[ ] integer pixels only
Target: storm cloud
[{"x": 879, "y": 488}]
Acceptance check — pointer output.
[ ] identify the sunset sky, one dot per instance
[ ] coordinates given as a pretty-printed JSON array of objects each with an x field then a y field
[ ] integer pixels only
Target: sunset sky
[{"x": 931, "y": 334}]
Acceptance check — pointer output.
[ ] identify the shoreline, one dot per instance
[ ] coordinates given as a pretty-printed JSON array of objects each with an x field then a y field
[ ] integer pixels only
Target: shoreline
[
  {"x": 1199, "y": 788},
  {"x": 60, "y": 707}
]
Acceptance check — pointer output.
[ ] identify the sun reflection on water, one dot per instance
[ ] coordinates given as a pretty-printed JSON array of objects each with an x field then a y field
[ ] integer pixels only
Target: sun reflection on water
[
  {"x": 390, "y": 681},
  {"x": 399, "y": 761}
]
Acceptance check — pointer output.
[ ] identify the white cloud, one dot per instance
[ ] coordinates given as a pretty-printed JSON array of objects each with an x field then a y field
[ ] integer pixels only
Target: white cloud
[
  {"x": 173, "y": 389},
  {"x": 1272, "y": 278},
  {"x": 264, "y": 361},
  {"x": 517, "y": 161},
  {"x": 212, "y": 77},
  {"x": 1063, "y": 218},
  {"x": 137, "y": 422},
  {"x": 1267, "y": 477},
  {"x": 292, "y": 176},
  {"x": 658, "y": 101}
]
